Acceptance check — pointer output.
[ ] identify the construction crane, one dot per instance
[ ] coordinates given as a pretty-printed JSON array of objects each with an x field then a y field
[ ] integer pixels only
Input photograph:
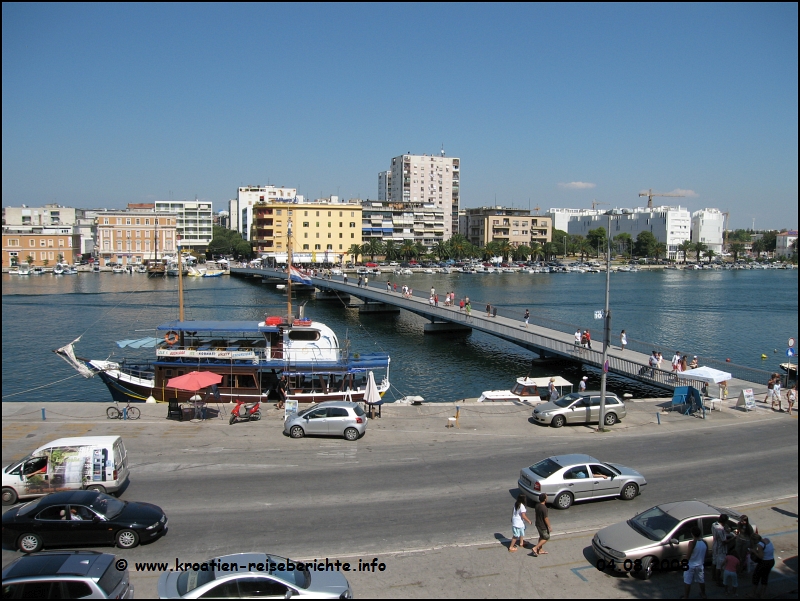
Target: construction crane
[
  {"x": 650, "y": 196},
  {"x": 595, "y": 203},
  {"x": 537, "y": 209}
]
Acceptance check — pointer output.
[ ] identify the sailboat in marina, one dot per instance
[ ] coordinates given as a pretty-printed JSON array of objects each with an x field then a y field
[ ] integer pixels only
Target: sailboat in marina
[{"x": 283, "y": 356}]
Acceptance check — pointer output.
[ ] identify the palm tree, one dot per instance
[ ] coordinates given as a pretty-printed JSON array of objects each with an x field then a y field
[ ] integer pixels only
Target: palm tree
[
  {"x": 550, "y": 250},
  {"x": 420, "y": 249},
  {"x": 458, "y": 246},
  {"x": 710, "y": 254},
  {"x": 441, "y": 250},
  {"x": 585, "y": 248},
  {"x": 660, "y": 250},
  {"x": 29, "y": 259},
  {"x": 699, "y": 248},
  {"x": 522, "y": 253},
  {"x": 492, "y": 249},
  {"x": 536, "y": 251},
  {"x": 685, "y": 247},
  {"x": 355, "y": 252},
  {"x": 736, "y": 248},
  {"x": 390, "y": 248},
  {"x": 505, "y": 250},
  {"x": 407, "y": 249},
  {"x": 373, "y": 247}
]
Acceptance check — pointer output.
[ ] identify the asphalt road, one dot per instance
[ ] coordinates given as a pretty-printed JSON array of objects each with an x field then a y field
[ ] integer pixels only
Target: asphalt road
[{"x": 247, "y": 487}]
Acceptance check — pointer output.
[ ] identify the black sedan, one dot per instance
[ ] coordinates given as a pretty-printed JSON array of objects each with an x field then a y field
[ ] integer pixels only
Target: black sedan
[{"x": 81, "y": 518}]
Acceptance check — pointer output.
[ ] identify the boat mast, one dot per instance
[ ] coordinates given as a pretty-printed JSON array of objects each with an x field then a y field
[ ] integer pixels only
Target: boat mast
[
  {"x": 180, "y": 281},
  {"x": 289, "y": 272}
]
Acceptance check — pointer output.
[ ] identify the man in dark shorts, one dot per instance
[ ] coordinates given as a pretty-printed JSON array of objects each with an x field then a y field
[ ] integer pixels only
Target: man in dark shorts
[
  {"x": 765, "y": 552},
  {"x": 542, "y": 525}
]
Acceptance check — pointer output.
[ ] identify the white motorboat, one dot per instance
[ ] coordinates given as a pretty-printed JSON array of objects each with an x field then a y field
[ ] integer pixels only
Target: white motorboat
[{"x": 526, "y": 390}]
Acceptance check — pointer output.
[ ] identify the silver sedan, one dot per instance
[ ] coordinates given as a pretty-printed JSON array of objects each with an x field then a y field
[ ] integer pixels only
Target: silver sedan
[
  {"x": 330, "y": 418},
  {"x": 570, "y": 478}
]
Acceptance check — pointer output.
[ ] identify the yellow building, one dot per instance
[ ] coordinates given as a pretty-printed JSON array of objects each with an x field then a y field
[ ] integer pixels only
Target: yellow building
[
  {"x": 322, "y": 232},
  {"x": 40, "y": 246}
]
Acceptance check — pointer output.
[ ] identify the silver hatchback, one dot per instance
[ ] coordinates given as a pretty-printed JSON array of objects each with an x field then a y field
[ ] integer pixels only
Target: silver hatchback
[
  {"x": 330, "y": 418},
  {"x": 570, "y": 478},
  {"x": 580, "y": 408}
]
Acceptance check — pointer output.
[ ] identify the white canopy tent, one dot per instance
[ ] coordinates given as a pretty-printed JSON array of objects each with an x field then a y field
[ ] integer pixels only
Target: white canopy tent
[{"x": 706, "y": 374}]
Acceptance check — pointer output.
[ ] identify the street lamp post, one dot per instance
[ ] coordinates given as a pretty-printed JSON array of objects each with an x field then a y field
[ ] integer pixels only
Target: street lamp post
[{"x": 606, "y": 333}]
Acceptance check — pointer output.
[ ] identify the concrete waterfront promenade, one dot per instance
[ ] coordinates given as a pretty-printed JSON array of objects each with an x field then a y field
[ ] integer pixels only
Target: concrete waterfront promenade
[
  {"x": 432, "y": 503},
  {"x": 544, "y": 341}
]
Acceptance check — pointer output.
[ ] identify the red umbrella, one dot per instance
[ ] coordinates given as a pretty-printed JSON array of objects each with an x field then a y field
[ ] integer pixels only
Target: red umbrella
[{"x": 194, "y": 380}]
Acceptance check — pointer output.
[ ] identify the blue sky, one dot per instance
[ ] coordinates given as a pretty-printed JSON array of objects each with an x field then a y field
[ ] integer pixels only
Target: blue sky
[{"x": 552, "y": 105}]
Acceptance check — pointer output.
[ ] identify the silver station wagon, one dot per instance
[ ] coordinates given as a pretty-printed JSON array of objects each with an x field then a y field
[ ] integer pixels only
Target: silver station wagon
[
  {"x": 570, "y": 478},
  {"x": 579, "y": 408},
  {"x": 330, "y": 418}
]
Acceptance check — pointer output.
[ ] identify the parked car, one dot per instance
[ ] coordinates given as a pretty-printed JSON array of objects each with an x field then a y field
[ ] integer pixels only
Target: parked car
[
  {"x": 580, "y": 408},
  {"x": 66, "y": 575},
  {"x": 657, "y": 538},
  {"x": 254, "y": 575},
  {"x": 570, "y": 478},
  {"x": 81, "y": 517},
  {"x": 330, "y": 418}
]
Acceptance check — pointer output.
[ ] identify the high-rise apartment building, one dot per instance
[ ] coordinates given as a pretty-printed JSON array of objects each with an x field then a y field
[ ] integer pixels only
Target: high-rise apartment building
[
  {"x": 384, "y": 185},
  {"x": 707, "y": 227},
  {"x": 194, "y": 224},
  {"x": 432, "y": 180}
]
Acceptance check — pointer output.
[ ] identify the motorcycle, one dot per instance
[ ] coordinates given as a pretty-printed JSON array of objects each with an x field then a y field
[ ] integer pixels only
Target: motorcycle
[{"x": 245, "y": 412}]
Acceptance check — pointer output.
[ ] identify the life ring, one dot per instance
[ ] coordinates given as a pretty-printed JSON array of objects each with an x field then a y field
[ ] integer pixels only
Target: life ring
[{"x": 171, "y": 338}]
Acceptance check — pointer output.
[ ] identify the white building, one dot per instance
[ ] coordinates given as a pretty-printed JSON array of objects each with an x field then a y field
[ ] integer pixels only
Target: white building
[
  {"x": 561, "y": 217},
  {"x": 384, "y": 185},
  {"x": 708, "y": 228},
  {"x": 427, "y": 181},
  {"x": 195, "y": 221},
  {"x": 670, "y": 225},
  {"x": 783, "y": 243},
  {"x": 241, "y": 210},
  {"x": 47, "y": 216}
]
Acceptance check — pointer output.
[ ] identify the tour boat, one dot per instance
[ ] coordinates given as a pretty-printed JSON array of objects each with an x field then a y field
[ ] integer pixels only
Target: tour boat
[
  {"x": 526, "y": 390},
  {"x": 280, "y": 356}
]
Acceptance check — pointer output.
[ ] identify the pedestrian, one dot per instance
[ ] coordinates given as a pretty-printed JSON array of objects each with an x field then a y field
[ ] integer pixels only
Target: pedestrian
[
  {"x": 659, "y": 360},
  {"x": 723, "y": 390},
  {"x": 430, "y": 301},
  {"x": 683, "y": 367},
  {"x": 344, "y": 278},
  {"x": 526, "y": 317},
  {"x": 744, "y": 532},
  {"x": 776, "y": 393},
  {"x": 791, "y": 397},
  {"x": 552, "y": 393},
  {"x": 468, "y": 309},
  {"x": 542, "y": 525},
  {"x": 578, "y": 337},
  {"x": 676, "y": 361},
  {"x": 494, "y": 311},
  {"x": 765, "y": 552},
  {"x": 395, "y": 286},
  {"x": 359, "y": 281},
  {"x": 388, "y": 286},
  {"x": 433, "y": 291},
  {"x": 488, "y": 310},
  {"x": 582, "y": 385},
  {"x": 436, "y": 300},
  {"x": 721, "y": 535},
  {"x": 653, "y": 362},
  {"x": 518, "y": 519},
  {"x": 694, "y": 364},
  {"x": 623, "y": 340},
  {"x": 366, "y": 281},
  {"x": 770, "y": 386},
  {"x": 694, "y": 571},
  {"x": 588, "y": 340},
  {"x": 730, "y": 578},
  {"x": 461, "y": 305}
]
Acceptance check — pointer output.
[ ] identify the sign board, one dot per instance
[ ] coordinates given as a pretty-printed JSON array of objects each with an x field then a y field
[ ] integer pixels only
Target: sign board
[
  {"x": 746, "y": 399},
  {"x": 598, "y": 315},
  {"x": 289, "y": 408},
  {"x": 790, "y": 352},
  {"x": 791, "y": 342}
]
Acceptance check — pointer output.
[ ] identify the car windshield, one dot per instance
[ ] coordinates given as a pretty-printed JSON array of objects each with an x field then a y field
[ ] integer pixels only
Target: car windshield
[
  {"x": 567, "y": 400},
  {"x": 17, "y": 463},
  {"x": 107, "y": 506},
  {"x": 299, "y": 578},
  {"x": 546, "y": 468},
  {"x": 653, "y": 523},
  {"x": 307, "y": 411},
  {"x": 612, "y": 468},
  {"x": 188, "y": 581}
]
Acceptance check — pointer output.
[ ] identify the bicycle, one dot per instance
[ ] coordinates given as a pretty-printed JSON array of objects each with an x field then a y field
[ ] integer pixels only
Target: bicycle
[{"x": 117, "y": 413}]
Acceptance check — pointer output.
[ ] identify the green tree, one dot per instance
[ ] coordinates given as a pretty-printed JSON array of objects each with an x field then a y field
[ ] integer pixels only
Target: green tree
[
  {"x": 536, "y": 251},
  {"x": 736, "y": 249},
  {"x": 354, "y": 251},
  {"x": 408, "y": 250},
  {"x": 710, "y": 254},
  {"x": 597, "y": 239},
  {"x": 391, "y": 250},
  {"x": 45, "y": 262},
  {"x": 459, "y": 246},
  {"x": 550, "y": 250},
  {"x": 373, "y": 247},
  {"x": 557, "y": 238},
  {"x": 228, "y": 242},
  {"x": 420, "y": 249},
  {"x": 699, "y": 248},
  {"x": 29, "y": 259},
  {"x": 522, "y": 253},
  {"x": 660, "y": 250},
  {"x": 441, "y": 250},
  {"x": 739, "y": 236},
  {"x": 645, "y": 244},
  {"x": 624, "y": 243},
  {"x": 505, "y": 249},
  {"x": 685, "y": 248}
]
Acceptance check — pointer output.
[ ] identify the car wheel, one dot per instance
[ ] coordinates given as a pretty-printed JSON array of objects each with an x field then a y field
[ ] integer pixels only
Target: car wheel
[
  {"x": 610, "y": 419},
  {"x": 96, "y": 488},
  {"x": 127, "y": 539},
  {"x": 9, "y": 496},
  {"x": 647, "y": 568},
  {"x": 296, "y": 432},
  {"x": 563, "y": 501},
  {"x": 29, "y": 543},
  {"x": 629, "y": 492},
  {"x": 558, "y": 421},
  {"x": 351, "y": 434}
]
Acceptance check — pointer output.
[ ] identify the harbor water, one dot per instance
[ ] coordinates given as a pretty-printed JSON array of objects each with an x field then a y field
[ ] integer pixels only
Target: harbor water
[{"x": 736, "y": 315}]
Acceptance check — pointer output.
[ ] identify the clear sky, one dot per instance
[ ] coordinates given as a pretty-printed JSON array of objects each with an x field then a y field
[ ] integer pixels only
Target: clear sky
[{"x": 546, "y": 105}]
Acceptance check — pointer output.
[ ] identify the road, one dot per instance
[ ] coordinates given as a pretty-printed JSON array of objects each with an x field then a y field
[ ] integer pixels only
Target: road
[{"x": 411, "y": 485}]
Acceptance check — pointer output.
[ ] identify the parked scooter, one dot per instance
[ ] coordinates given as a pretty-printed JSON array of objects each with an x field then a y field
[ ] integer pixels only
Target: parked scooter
[{"x": 245, "y": 412}]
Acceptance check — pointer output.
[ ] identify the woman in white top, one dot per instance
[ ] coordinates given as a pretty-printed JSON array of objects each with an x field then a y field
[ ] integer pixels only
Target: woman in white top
[{"x": 518, "y": 519}]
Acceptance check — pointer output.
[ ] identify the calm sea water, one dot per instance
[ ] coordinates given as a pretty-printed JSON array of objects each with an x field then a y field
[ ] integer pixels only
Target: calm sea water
[{"x": 722, "y": 314}]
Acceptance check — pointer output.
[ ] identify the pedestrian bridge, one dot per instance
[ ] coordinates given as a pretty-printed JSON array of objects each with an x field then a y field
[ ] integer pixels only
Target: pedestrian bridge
[{"x": 544, "y": 341}]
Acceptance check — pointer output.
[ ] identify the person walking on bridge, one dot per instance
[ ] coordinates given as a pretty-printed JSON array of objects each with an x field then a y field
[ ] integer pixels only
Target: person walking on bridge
[{"x": 526, "y": 317}]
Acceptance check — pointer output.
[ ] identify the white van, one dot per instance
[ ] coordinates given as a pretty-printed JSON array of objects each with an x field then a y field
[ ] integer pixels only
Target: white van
[{"x": 88, "y": 462}]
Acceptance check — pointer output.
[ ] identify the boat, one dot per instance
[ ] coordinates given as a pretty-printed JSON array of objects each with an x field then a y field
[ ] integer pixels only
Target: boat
[
  {"x": 790, "y": 369},
  {"x": 118, "y": 269},
  {"x": 212, "y": 269},
  {"x": 141, "y": 268},
  {"x": 37, "y": 270},
  {"x": 58, "y": 269},
  {"x": 526, "y": 390},
  {"x": 283, "y": 355},
  {"x": 24, "y": 269}
]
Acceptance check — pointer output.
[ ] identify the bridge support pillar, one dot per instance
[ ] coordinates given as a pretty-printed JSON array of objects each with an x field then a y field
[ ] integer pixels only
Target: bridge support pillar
[
  {"x": 444, "y": 327},
  {"x": 377, "y": 308},
  {"x": 332, "y": 295}
]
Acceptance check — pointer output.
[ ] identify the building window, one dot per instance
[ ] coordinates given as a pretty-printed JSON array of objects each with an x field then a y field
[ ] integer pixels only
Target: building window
[
  {"x": 340, "y": 247},
  {"x": 340, "y": 224},
  {"x": 305, "y": 234},
  {"x": 329, "y": 223},
  {"x": 329, "y": 214},
  {"x": 352, "y": 235},
  {"x": 318, "y": 216},
  {"x": 305, "y": 214},
  {"x": 317, "y": 234},
  {"x": 119, "y": 220},
  {"x": 341, "y": 235},
  {"x": 352, "y": 224},
  {"x": 32, "y": 242},
  {"x": 317, "y": 247},
  {"x": 305, "y": 223},
  {"x": 329, "y": 234},
  {"x": 329, "y": 247},
  {"x": 305, "y": 246},
  {"x": 146, "y": 222}
]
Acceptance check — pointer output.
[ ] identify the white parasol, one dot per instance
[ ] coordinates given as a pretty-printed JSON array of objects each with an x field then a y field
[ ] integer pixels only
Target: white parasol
[{"x": 372, "y": 396}]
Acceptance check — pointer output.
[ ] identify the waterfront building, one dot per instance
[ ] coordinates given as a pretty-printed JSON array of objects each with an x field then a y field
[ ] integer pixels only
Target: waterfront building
[
  {"x": 194, "y": 222},
  {"x": 783, "y": 243},
  {"x": 426, "y": 182},
  {"x": 384, "y": 185},
  {"x": 50, "y": 215},
  {"x": 708, "y": 228},
  {"x": 322, "y": 231},
  {"x": 241, "y": 210},
  {"x": 40, "y": 245},
  {"x": 422, "y": 223},
  {"x": 501, "y": 224},
  {"x": 135, "y": 235},
  {"x": 670, "y": 225}
]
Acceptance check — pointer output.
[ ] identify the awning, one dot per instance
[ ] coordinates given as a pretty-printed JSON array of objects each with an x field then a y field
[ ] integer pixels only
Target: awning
[{"x": 148, "y": 342}]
